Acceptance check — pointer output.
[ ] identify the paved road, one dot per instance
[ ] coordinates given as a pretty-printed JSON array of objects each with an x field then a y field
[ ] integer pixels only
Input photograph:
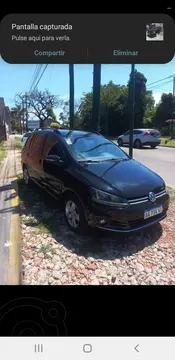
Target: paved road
[{"x": 161, "y": 160}]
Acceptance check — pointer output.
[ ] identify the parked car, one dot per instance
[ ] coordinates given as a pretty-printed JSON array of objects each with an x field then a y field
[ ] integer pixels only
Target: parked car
[
  {"x": 153, "y": 30},
  {"x": 141, "y": 137},
  {"x": 25, "y": 137},
  {"x": 101, "y": 186}
]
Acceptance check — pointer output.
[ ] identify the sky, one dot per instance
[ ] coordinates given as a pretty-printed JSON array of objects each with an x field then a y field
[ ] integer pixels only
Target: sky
[{"x": 16, "y": 78}]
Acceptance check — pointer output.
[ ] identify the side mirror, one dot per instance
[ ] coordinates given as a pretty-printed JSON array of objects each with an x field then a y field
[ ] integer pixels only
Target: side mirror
[{"x": 54, "y": 158}]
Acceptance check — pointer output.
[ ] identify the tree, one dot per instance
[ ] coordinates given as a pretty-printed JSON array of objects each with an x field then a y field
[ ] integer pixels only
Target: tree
[
  {"x": 141, "y": 98},
  {"x": 50, "y": 113},
  {"x": 16, "y": 114},
  {"x": 163, "y": 111},
  {"x": 113, "y": 101},
  {"x": 40, "y": 104},
  {"x": 64, "y": 115}
]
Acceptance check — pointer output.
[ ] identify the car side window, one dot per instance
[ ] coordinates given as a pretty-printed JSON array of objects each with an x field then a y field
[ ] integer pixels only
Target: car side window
[
  {"x": 29, "y": 141},
  {"x": 56, "y": 150}
]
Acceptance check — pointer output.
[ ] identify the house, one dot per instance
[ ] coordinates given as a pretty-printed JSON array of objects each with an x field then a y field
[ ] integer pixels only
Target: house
[
  {"x": 5, "y": 120},
  {"x": 171, "y": 125}
]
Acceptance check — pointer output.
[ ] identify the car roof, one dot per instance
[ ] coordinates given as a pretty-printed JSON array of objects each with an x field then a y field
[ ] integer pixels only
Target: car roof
[{"x": 67, "y": 132}]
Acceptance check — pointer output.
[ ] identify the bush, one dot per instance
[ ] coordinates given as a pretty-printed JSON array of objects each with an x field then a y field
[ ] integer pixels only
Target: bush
[{"x": 165, "y": 131}]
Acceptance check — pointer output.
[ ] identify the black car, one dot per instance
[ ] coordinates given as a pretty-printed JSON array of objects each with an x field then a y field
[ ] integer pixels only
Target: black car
[
  {"x": 153, "y": 30},
  {"x": 101, "y": 185}
]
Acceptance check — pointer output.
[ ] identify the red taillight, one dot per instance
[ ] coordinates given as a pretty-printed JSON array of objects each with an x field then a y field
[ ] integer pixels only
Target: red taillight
[{"x": 146, "y": 133}]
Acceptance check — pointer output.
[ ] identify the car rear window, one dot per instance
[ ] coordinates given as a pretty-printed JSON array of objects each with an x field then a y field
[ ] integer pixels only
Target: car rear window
[{"x": 154, "y": 133}]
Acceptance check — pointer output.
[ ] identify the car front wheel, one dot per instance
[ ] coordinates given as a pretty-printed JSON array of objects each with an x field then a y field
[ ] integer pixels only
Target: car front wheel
[{"x": 74, "y": 214}]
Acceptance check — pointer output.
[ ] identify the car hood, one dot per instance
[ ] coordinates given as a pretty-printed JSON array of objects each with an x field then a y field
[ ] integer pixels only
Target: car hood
[{"x": 130, "y": 177}]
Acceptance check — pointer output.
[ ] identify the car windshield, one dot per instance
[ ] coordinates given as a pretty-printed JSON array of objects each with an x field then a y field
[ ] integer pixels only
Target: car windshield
[{"x": 93, "y": 148}]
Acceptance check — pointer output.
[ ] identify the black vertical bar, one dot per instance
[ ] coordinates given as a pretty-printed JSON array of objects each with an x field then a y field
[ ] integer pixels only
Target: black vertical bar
[
  {"x": 95, "y": 119},
  {"x": 173, "y": 107},
  {"x": 71, "y": 95},
  {"x": 132, "y": 101},
  {"x": 26, "y": 112}
]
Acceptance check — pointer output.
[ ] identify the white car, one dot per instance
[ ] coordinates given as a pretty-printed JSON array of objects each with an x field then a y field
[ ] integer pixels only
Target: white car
[
  {"x": 25, "y": 137},
  {"x": 141, "y": 137}
]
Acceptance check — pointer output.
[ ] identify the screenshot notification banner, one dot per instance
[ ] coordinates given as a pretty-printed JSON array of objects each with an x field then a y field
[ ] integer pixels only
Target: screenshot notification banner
[{"x": 87, "y": 38}]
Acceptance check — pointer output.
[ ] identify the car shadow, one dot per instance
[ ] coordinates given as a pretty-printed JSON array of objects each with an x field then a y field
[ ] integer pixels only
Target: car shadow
[{"x": 46, "y": 214}]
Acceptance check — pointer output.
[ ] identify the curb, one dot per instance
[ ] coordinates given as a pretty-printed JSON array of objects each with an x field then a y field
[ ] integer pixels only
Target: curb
[
  {"x": 14, "y": 265},
  {"x": 165, "y": 146}
]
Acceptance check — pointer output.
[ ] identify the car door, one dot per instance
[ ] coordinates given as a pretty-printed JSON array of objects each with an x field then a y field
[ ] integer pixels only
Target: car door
[
  {"x": 54, "y": 166},
  {"x": 126, "y": 137},
  {"x": 35, "y": 157}
]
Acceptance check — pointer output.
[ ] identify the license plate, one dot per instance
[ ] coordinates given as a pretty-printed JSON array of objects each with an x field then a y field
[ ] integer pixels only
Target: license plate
[{"x": 153, "y": 212}]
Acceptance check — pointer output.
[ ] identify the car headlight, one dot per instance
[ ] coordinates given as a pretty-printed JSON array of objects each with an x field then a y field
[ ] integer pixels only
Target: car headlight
[{"x": 105, "y": 198}]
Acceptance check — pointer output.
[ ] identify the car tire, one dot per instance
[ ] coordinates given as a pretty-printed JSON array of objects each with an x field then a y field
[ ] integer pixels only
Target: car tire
[
  {"x": 153, "y": 146},
  {"x": 26, "y": 177},
  {"x": 137, "y": 144},
  {"x": 74, "y": 214},
  {"x": 120, "y": 142}
]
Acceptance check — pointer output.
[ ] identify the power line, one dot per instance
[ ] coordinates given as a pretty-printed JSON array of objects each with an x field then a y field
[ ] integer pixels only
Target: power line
[
  {"x": 155, "y": 82},
  {"x": 32, "y": 78},
  {"x": 154, "y": 86},
  {"x": 40, "y": 77},
  {"x": 35, "y": 77}
]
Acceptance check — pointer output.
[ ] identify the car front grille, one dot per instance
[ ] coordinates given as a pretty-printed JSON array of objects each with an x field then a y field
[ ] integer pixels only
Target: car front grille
[{"x": 145, "y": 199}]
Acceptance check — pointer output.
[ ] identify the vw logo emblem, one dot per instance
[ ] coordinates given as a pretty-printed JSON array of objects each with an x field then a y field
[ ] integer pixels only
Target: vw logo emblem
[{"x": 152, "y": 197}]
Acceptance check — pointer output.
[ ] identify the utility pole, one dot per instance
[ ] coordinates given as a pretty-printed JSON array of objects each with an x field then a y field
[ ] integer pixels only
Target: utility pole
[
  {"x": 95, "y": 119},
  {"x": 26, "y": 96},
  {"x": 173, "y": 108},
  {"x": 23, "y": 116},
  {"x": 71, "y": 95},
  {"x": 132, "y": 105}
]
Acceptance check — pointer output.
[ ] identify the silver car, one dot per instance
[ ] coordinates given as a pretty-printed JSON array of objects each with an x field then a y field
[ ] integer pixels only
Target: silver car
[{"x": 141, "y": 137}]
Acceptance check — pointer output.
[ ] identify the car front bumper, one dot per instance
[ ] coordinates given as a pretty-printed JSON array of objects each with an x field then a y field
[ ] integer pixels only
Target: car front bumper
[{"x": 128, "y": 220}]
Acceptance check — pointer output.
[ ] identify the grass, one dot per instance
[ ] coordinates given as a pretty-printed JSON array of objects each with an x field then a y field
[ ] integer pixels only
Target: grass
[
  {"x": 18, "y": 143},
  {"x": 47, "y": 250},
  {"x": 169, "y": 142},
  {"x": 3, "y": 152}
]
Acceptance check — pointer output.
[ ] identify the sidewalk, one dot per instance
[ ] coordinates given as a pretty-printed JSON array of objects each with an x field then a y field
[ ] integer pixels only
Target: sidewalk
[{"x": 9, "y": 217}]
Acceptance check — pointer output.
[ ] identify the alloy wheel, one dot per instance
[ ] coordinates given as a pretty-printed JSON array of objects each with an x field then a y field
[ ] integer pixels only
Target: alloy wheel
[{"x": 72, "y": 214}]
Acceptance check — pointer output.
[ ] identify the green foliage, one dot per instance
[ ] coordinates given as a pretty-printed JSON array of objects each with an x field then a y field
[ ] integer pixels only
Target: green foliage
[
  {"x": 16, "y": 114},
  {"x": 163, "y": 110},
  {"x": 50, "y": 113},
  {"x": 114, "y": 106}
]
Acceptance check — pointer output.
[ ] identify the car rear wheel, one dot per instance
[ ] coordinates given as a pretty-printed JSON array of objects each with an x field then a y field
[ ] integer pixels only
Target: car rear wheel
[
  {"x": 120, "y": 142},
  {"x": 137, "y": 144},
  {"x": 74, "y": 214},
  {"x": 26, "y": 176}
]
